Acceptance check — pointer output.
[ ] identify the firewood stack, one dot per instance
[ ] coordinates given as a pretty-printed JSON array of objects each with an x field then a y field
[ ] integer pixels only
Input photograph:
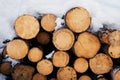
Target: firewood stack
[{"x": 78, "y": 53}]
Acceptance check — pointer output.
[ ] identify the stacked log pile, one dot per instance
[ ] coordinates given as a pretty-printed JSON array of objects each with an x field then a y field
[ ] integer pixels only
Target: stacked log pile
[{"x": 78, "y": 53}]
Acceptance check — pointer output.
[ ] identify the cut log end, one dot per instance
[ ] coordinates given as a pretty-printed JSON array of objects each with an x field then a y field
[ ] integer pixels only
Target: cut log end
[
  {"x": 17, "y": 49},
  {"x": 63, "y": 39},
  {"x": 87, "y": 45},
  {"x": 35, "y": 54},
  {"x": 38, "y": 76},
  {"x": 66, "y": 73},
  {"x": 114, "y": 51},
  {"x": 48, "y": 22},
  {"x": 6, "y": 68},
  {"x": 45, "y": 67},
  {"x": 60, "y": 59},
  {"x": 27, "y": 26},
  {"x": 22, "y": 72},
  {"x": 101, "y": 64},
  {"x": 78, "y": 19},
  {"x": 81, "y": 65},
  {"x": 101, "y": 79},
  {"x": 85, "y": 77},
  {"x": 115, "y": 38},
  {"x": 43, "y": 38}
]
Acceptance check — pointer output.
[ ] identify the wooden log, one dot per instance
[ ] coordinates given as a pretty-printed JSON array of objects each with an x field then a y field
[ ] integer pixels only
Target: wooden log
[
  {"x": 104, "y": 35},
  {"x": 114, "y": 51},
  {"x": 63, "y": 39},
  {"x": 66, "y": 73},
  {"x": 17, "y": 49},
  {"x": 45, "y": 67},
  {"x": 102, "y": 78},
  {"x": 60, "y": 59},
  {"x": 4, "y": 53},
  {"x": 22, "y": 72},
  {"x": 115, "y": 73},
  {"x": 53, "y": 79},
  {"x": 43, "y": 38},
  {"x": 81, "y": 65},
  {"x": 101, "y": 64},
  {"x": 35, "y": 54},
  {"x": 115, "y": 37},
  {"x": 114, "y": 48},
  {"x": 78, "y": 19},
  {"x": 6, "y": 68},
  {"x": 48, "y": 22},
  {"x": 85, "y": 77},
  {"x": 26, "y": 26},
  {"x": 87, "y": 45},
  {"x": 38, "y": 76}
]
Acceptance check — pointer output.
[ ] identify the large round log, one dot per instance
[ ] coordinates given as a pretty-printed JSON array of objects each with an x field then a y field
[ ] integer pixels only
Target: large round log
[
  {"x": 78, "y": 19},
  {"x": 26, "y": 26}
]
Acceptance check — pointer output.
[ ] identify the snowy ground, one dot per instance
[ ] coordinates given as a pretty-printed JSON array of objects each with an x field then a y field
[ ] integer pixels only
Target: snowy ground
[{"x": 101, "y": 11}]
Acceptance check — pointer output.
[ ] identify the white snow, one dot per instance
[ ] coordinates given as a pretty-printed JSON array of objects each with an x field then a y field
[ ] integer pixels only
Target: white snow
[
  {"x": 2, "y": 77},
  {"x": 101, "y": 11}
]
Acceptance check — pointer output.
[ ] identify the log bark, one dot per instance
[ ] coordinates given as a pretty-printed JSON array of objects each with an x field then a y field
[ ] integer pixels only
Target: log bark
[
  {"x": 35, "y": 54},
  {"x": 48, "y": 22},
  {"x": 60, "y": 59},
  {"x": 63, "y": 39},
  {"x": 17, "y": 49},
  {"x": 87, "y": 45},
  {"x": 26, "y": 26},
  {"x": 78, "y": 19},
  {"x": 101, "y": 64}
]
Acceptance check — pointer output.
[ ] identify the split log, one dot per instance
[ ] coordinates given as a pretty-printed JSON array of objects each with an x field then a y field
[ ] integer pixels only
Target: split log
[
  {"x": 87, "y": 45},
  {"x": 26, "y": 26},
  {"x": 81, "y": 65},
  {"x": 78, "y": 19},
  {"x": 63, "y": 39},
  {"x": 66, "y": 73},
  {"x": 38, "y": 76},
  {"x": 48, "y": 22},
  {"x": 60, "y": 59},
  {"x": 85, "y": 77},
  {"x": 17, "y": 49},
  {"x": 101, "y": 64},
  {"x": 35, "y": 54},
  {"x": 45, "y": 67}
]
